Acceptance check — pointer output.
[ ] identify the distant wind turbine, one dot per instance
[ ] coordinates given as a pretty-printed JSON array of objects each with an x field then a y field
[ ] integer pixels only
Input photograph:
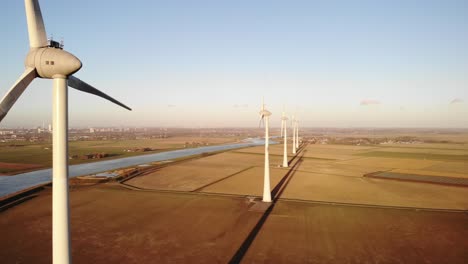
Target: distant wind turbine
[
  {"x": 297, "y": 133},
  {"x": 284, "y": 120},
  {"x": 265, "y": 115},
  {"x": 48, "y": 60},
  {"x": 293, "y": 124},
  {"x": 282, "y": 124},
  {"x": 282, "y": 127}
]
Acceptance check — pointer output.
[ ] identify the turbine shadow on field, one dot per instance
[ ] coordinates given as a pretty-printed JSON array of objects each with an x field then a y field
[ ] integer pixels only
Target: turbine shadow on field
[
  {"x": 297, "y": 153},
  {"x": 276, "y": 193},
  {"x": 279, "y": 188},
  {"x": 301, "y": 147}
]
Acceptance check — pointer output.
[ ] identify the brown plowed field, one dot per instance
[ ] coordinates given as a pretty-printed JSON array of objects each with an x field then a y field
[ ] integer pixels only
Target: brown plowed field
[
  {"x": 201, "y": 211},
  {"x": 115, "y": 225}
]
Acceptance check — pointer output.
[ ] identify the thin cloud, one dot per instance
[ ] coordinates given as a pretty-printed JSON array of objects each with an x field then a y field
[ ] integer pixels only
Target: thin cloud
[
  {"x": 456, "y": 101},
  {"x": 370, "y": 102},
  {"x": 171, "y": 105}
]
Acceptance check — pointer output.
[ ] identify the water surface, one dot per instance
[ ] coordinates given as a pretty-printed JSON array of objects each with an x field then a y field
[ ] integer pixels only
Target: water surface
[{"x": 11, "y": 184}]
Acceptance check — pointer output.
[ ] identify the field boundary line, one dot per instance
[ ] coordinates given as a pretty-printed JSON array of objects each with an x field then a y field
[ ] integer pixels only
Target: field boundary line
[{"x": 374, "y": 206}]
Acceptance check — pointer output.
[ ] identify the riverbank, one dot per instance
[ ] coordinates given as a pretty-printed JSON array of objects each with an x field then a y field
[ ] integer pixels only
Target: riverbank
[
  {"x": 19, "y": 182},
  {"x": 26, "y": 156}
]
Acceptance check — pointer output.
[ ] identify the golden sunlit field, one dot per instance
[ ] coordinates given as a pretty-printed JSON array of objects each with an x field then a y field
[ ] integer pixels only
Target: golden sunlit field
[{"x": 335, "y": 180}]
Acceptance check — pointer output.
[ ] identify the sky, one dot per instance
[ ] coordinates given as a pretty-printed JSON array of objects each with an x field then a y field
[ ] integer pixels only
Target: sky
[{"x": 209, "y": 63}]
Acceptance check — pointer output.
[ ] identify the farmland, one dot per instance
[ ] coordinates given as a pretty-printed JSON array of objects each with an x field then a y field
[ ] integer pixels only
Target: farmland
[
  {"x": 208, "y": 209},
  {"x": 28, "y": 156}
]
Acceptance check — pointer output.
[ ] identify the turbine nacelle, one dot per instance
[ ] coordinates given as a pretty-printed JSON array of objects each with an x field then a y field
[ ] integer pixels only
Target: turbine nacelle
[
  {"x": 46, "y": 60},
  {"x": 264, "y": 113},
  {"x": 51, "y": 62}
]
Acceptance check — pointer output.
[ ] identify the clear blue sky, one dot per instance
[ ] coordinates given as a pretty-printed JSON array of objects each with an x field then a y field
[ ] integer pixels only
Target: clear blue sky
[{"x": 208, "y": 63}]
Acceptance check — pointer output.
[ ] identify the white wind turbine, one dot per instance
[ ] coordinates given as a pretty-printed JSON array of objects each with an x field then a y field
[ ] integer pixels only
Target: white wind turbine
[
  {"x": 293, "y": 124},
  {"x": 48, "y": 60},
  {"x": 284, "y": 120},
  {"x": 282, "y": 127},
  {"x": 283, "y": 123},
  {"x": 265, "y": 115},
  {"x": 297, "y": 133}
]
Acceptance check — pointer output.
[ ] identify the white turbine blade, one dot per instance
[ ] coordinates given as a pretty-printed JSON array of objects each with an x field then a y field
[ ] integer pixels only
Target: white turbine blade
[
  {"x": 36, "y": 29},
  {"x": 15, "y": 92},
  {"x": 78, "y": 84}
]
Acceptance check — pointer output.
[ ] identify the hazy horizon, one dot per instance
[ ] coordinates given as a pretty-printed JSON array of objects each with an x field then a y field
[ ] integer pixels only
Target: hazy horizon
[
  {"x": 343, "y": 64},
  {"x": 363, "y": 128}
]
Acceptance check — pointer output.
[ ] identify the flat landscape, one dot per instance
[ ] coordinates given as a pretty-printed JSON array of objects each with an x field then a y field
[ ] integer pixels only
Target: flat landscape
[
  {"x": 13, "y": 157},
  {"x": 157, "y": 132},
  {"x": 115, "y": 225},
  {"x": 209, "y": 210}
]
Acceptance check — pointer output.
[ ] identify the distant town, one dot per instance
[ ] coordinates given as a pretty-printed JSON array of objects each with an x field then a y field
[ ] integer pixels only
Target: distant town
[{"x": 342, "y": 136}]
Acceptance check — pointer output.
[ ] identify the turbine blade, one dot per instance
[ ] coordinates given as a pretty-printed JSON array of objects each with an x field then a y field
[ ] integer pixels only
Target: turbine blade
[
  {"x": 36, "y": 29},
  {"x": 16, "y": 90},
  {"x": 78, "y": 84}
]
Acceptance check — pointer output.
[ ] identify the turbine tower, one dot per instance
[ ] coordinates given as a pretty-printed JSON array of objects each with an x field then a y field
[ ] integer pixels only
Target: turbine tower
[
  {"x": 48, "y": 60},
  {"x": 265, "y": 115},
  {"x": 284, "y": 120},
  {"x": 293, "y": 124},
  {"x": 282, "y": 127},
  {"x": 297, "y": 133}
]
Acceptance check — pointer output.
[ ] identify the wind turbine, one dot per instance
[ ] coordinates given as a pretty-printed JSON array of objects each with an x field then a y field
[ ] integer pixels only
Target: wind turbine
[
  {"x": 282, "y": 127},
  {"x": 297, "y": 133},
  {"x": 293, "y": 124},
  {"x": 265, "y": 115},
  {"x": 284, "y": 120},
  {"x": 282, "y": 124},
  {"x": 48, "y": 60}
]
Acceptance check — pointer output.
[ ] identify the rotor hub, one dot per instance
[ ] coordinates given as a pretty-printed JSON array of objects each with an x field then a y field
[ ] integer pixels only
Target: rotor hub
[{"x": 265, "y": 113}]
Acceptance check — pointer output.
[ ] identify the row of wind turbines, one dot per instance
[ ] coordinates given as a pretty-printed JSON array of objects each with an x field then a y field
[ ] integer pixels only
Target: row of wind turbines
[
  {"x": 47, "y": 59},
  {"x": 265, "y": 116}
]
